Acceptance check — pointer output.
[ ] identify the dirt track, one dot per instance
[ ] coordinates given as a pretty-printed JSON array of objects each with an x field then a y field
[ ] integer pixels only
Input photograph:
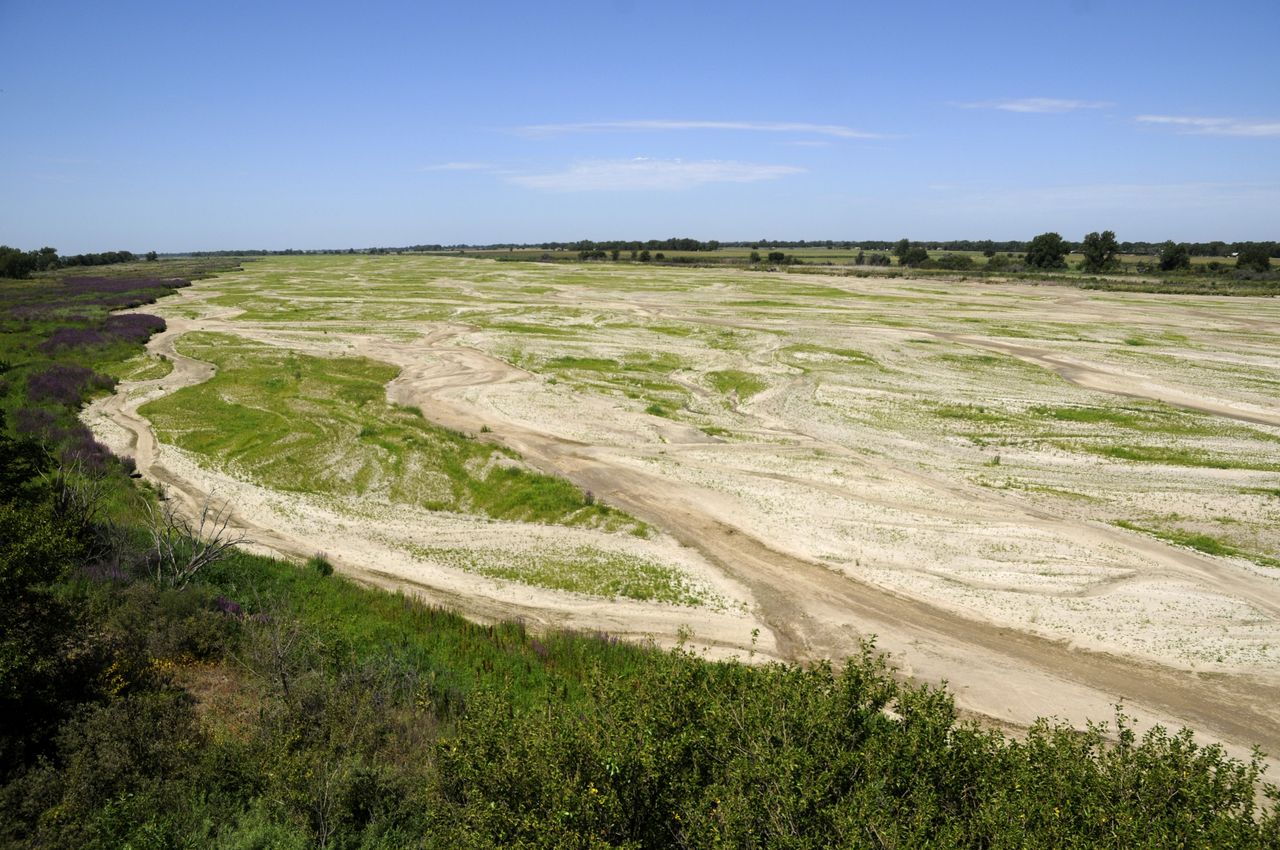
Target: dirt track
[{"x": 807, "y": 609}]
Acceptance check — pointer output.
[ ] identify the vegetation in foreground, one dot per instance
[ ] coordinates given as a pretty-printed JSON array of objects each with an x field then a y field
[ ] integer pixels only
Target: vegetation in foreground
[{"x": 266, "y": 705}]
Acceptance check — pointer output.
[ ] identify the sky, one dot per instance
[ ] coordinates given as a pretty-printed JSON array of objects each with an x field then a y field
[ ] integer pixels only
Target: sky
[{"x": 233, "y": 125}]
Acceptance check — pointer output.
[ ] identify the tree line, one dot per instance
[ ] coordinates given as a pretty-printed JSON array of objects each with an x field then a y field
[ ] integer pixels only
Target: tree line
[{"x": 19, "y": 264}]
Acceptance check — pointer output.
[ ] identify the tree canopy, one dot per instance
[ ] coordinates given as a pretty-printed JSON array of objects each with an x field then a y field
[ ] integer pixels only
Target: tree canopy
[
  {"x": 1101, "y": 251},
  {"x": 1047, "y": 251},
  {"x": 1255, "y": 257},
  {"x": 1174, "y": 256}
]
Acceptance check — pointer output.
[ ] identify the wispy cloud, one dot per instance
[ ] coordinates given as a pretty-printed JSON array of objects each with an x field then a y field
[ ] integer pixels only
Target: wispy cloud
[
  {"x": 1036, "y": 104},
  {"x": 835, "y": 130},
  {"x": 1214, "y": 126},
  {"x": 650, "y": 174},
  {"x": 459, "y": 166}
]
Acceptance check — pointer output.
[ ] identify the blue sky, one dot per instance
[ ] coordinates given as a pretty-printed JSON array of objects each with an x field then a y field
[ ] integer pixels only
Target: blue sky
[{"x": 184, "y": 126}]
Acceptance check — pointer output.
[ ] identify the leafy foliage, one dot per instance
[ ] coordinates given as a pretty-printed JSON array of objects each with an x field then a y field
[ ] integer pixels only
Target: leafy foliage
[
  {"x": 1255, "y": 257},
  {"x": 1174, "y": 256},
  {"x": 1047, "y": 251},
  {"x": 1101, "y": 252}
]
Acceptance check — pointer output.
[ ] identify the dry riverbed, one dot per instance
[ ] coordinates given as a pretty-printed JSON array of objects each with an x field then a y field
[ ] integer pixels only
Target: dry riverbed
[{"x": 1052, "y": 499}]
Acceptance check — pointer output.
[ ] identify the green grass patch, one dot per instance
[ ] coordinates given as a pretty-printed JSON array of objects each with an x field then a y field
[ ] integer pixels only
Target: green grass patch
[
  {"x": 140, "y": 367},
  {"x": 587, "y": 364},
  {"x": 530, "y": 329},
  {"x": 843, "y": 356},
  {"x": 1201, "y": 543},
  {"x": 1091, "y": 415},
  {"x": 1176, "y": 456},
  {"x": 744, "y": 384},
  {"x": 1273, "y": 492},
  {"x": 969, "y": 413},
  {"x": 322, "y": 425}
]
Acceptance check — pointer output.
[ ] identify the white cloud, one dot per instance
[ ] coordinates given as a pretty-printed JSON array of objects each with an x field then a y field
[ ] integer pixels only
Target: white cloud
[
  {"x": 647, "y": 174},
  {"x": 1214, "y": 126},
  {"x": 459, "y": 166},
  {"x": 836, "y": 130},
  {"x": 1036, "y": 104}
]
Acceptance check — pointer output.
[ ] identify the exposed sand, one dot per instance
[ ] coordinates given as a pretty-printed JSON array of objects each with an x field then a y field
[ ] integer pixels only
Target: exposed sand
[{"x": 831, "y": 510}]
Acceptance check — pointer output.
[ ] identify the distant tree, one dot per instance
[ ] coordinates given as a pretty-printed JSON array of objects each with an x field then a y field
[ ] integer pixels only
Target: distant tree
[
  {"x": 754, "y": 258},
  {"x": 16, "y": 263},
  {"x": 152, "y": 256},
  {"x": 914, "y": 256},
  {"x": 1101, "y": 252},
  {"x": 644, "y": 256},
  {"x": 659, "y": 256},
  {"x": 860, "y": 259},
  {"x": 1047, "y": 251},
  {"x": 1254, "y": 257},
  {"x": 901, "y": 248},
  {"x": 956, "y": 262},
  {"x": 1174, "y": 256},
  {"x": 613, "y": 255},
  {"x": 47, "y": 258},
  {"x": 879, "y": 260},
  {"x": 777, "y": 257}
]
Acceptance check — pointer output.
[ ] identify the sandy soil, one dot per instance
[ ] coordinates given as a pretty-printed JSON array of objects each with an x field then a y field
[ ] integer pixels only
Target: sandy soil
[{"x": 828, "y": 512}]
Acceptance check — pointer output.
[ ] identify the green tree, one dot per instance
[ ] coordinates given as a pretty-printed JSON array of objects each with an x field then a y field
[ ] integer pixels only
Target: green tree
[
  {"x": 47, "y": 258},
  {"x": 1047, "y": 251},
  {"x": 1101, "y": 252},
  {"x": 16, "y": 263},
  {"x": 152, "y": 256},
  {"x": 1174, "y": 256},
  {"x": 917, "y": 255},
  {"x": 1254, "y": 257},
  {"x": 909, "y": 255},
  {"x": 998, "y": 263}
]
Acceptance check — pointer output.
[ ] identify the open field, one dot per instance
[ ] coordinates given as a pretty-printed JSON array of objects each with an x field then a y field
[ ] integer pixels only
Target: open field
[{"x": 1052, "y": 498}]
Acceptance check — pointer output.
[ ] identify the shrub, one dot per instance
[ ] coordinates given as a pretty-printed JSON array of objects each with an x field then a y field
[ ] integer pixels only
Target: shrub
[
  {"x": 1254, "y": 257},
  {"x": 320, "y": 564},
  {"x": 65, "y": 383}
]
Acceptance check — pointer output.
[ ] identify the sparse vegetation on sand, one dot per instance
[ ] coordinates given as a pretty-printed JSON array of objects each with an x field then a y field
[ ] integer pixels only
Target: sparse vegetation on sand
[
  {"x": 741, "y": 384},
  {"x": 580, "y": 569}
]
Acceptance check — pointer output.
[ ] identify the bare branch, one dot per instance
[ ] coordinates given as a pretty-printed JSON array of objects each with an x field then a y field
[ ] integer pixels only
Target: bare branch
[{"x": 180, "y": 549}]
